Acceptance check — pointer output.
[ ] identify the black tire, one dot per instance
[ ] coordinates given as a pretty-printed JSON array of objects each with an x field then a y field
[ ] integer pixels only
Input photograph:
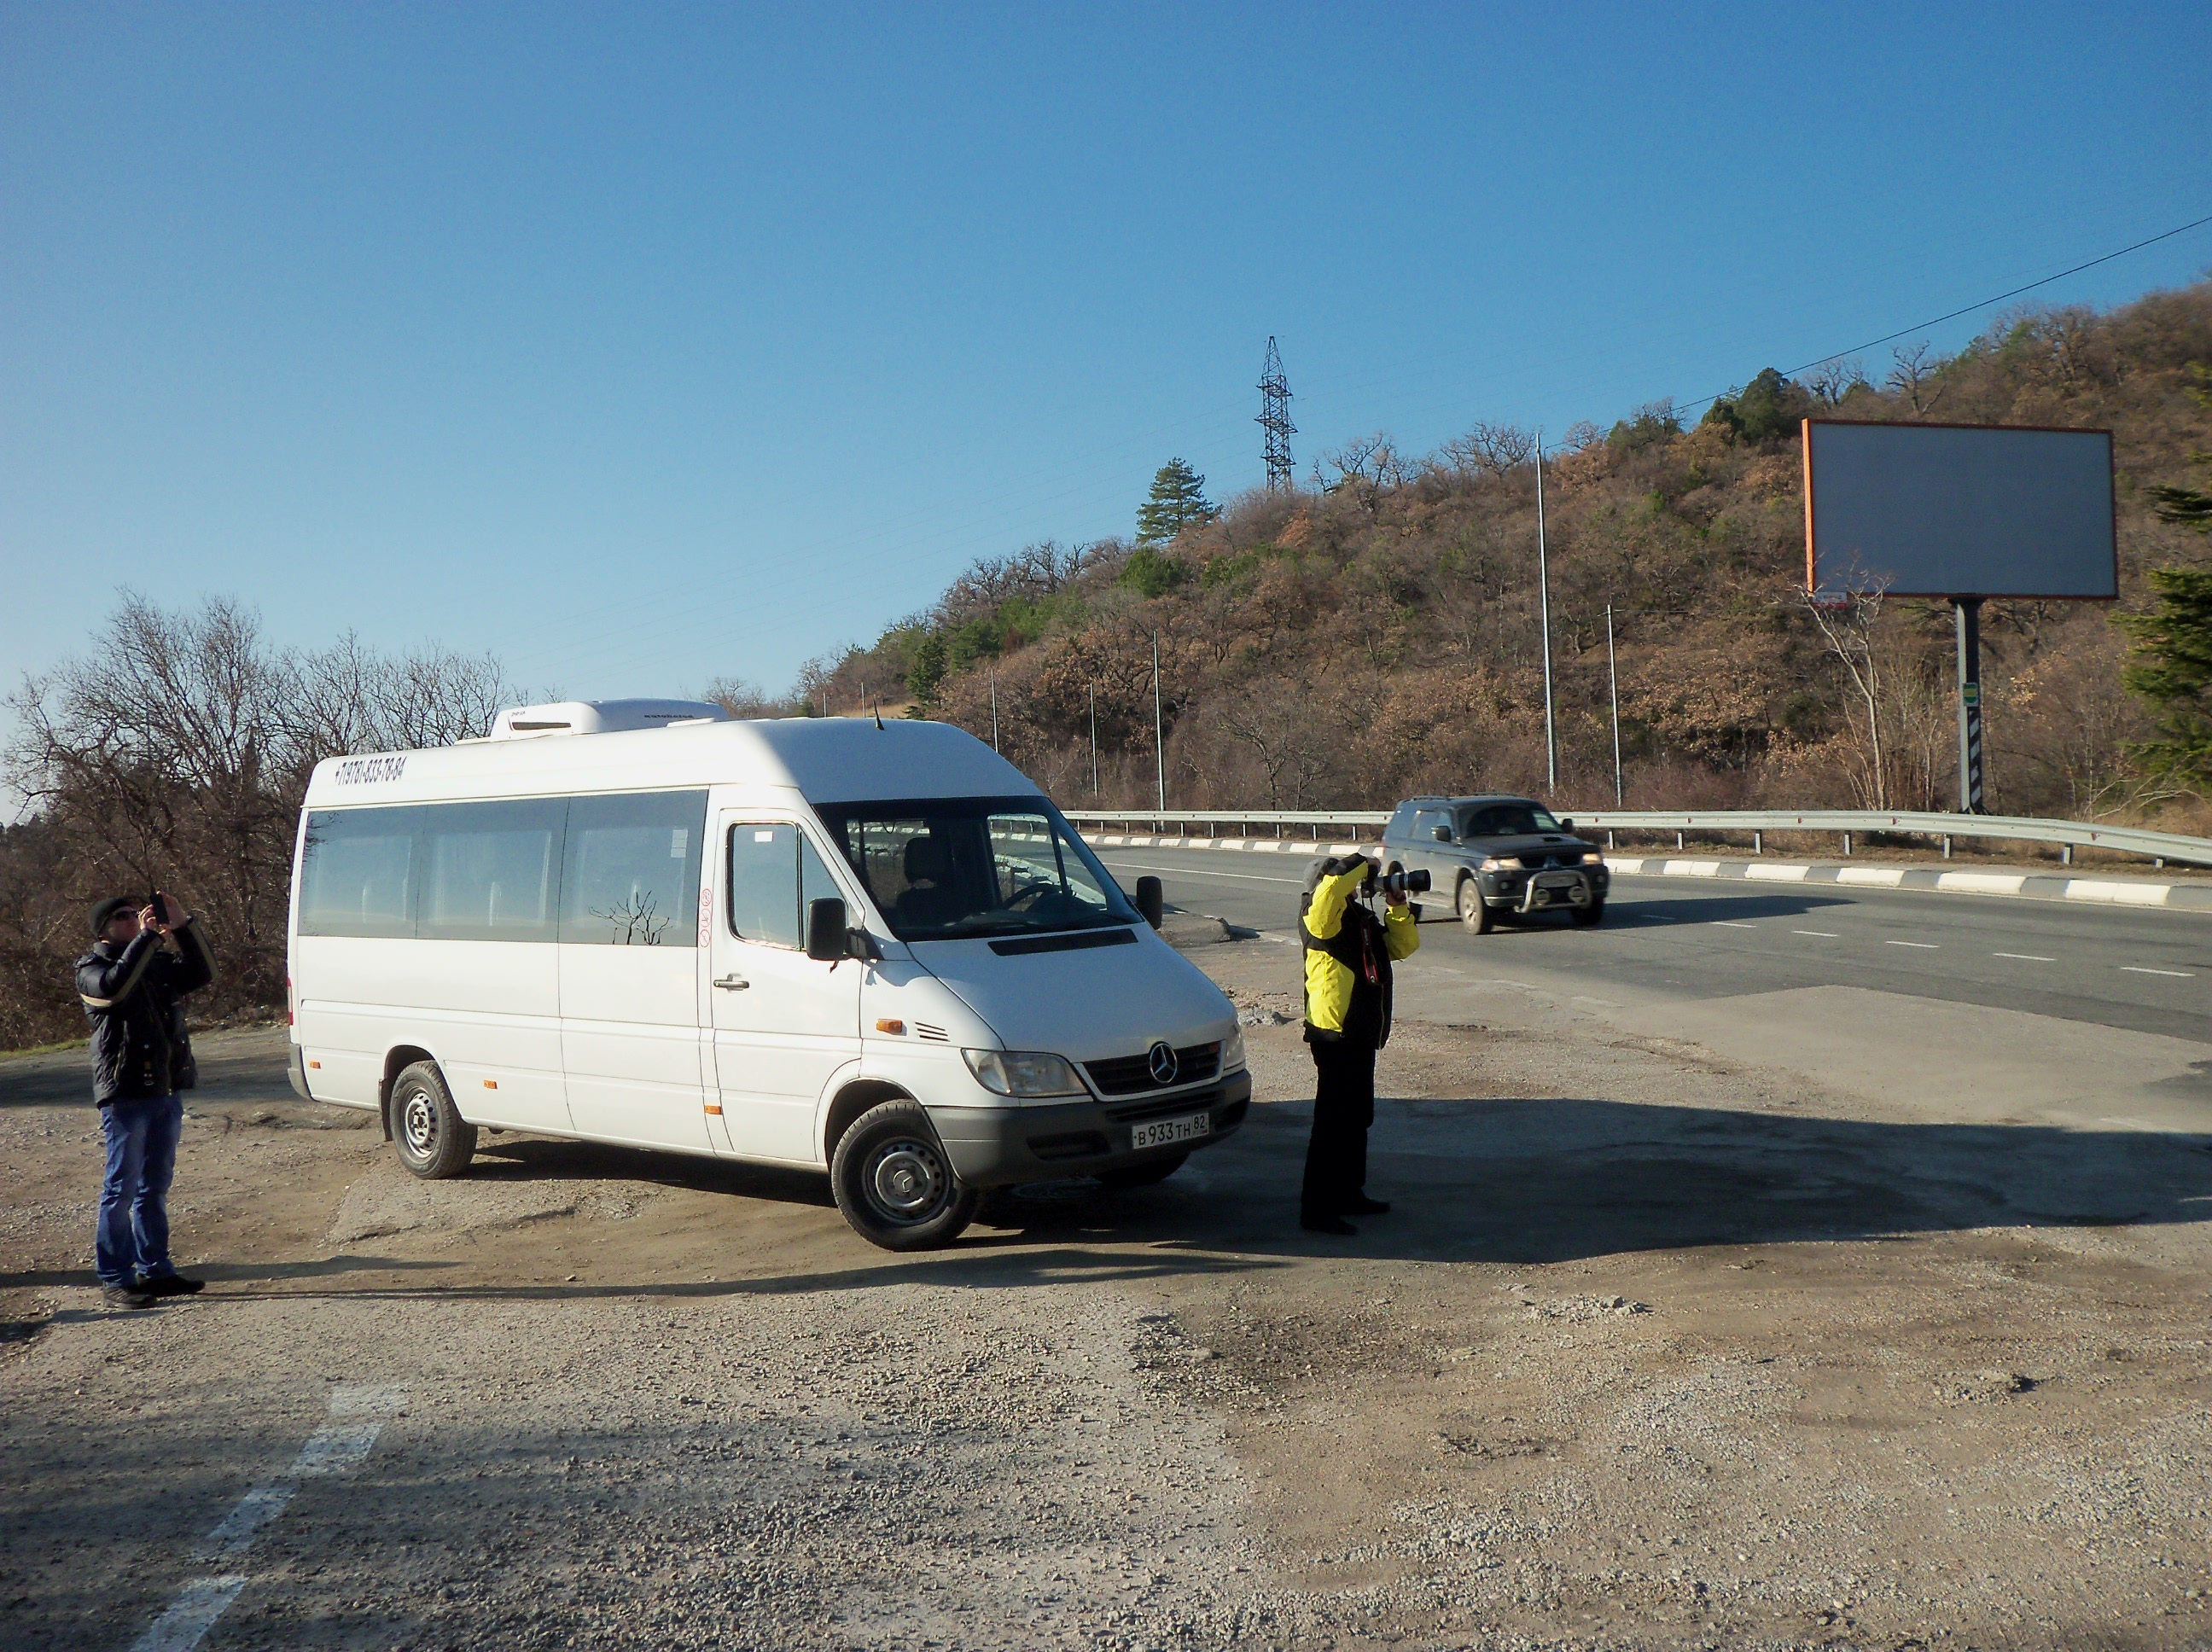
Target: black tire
[
  {"x": 1147, "y": 1174},
  {"x": 1591, "y": 916},
  {"x": 433, "y": 1140},
  {"x": 894, "y": 1182},
  {"x": 1473, "y": 910}
]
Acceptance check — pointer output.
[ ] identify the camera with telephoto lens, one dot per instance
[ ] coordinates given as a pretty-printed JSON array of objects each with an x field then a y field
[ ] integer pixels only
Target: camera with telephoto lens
[{"x": 1395, "y": 883}]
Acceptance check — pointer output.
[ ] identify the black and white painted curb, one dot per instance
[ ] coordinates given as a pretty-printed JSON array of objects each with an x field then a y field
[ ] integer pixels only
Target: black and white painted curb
[{"x": 2032, "y": 886}]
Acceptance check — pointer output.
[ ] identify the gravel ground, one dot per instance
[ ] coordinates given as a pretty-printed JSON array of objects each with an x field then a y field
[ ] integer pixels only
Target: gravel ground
[{"x": 1656, "y": 1352}]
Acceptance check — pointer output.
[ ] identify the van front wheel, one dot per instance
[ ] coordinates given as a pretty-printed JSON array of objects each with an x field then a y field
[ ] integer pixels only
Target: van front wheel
[
  {"x": 894, "y": 1183},
  {"x": 433, "y": 1138}
]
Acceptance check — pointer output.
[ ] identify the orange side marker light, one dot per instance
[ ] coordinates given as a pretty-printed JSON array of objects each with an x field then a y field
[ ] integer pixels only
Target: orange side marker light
[{"x": 890, "y": 1026}]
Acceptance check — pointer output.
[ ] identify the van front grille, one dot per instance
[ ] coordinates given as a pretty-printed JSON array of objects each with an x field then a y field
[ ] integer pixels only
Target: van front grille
[{"x": 1131, "y": 1075}]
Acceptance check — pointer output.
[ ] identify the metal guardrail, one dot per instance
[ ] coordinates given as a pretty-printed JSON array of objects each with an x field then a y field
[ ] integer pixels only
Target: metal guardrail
[{"x": 1707, "y": 822}]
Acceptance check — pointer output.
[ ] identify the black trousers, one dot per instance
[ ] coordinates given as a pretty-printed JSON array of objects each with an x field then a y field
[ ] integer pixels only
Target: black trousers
[{"x": 1344, "y": 1107}]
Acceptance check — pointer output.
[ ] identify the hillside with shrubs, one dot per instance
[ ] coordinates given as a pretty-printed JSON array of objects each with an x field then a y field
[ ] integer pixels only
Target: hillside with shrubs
[{"x": 1375, "y": 631}]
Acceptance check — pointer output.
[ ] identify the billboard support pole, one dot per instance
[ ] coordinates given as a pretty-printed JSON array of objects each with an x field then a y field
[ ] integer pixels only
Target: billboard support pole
[{"x": 1967, "y": 613}]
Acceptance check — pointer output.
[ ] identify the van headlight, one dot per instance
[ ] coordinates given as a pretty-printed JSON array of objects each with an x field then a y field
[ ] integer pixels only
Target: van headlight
[
  {"x": 1023, "y": 1072},
  {"x": 1232, "y": 1051}
]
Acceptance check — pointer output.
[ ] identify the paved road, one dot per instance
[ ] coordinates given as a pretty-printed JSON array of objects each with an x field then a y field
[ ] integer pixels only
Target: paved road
[{"x": 1678, "y": 939}]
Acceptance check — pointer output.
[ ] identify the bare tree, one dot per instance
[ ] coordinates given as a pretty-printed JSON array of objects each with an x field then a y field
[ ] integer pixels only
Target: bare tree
[
  {"x": 1847, "y": 622},
  {"x": 1918, "y": 378},
  {"x": 1488, "y": 450},
  {"x": 1831, "y": 381}
]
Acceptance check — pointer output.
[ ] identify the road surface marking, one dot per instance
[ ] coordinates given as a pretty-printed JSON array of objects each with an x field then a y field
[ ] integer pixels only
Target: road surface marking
[
  {"x": 2025, "y": 957},
  {"x": 191, "y": 1615},
  {"x": 330, "y": 1449},
  {"x": 1205, "y": 871},
  {"x": 1824, "y": 935},
  {"x": 1925, "y": 946},
  {"x": 2178, "y": 975},
  {"x": 1653, "y": 917},
  {"x": 1730, "y": 923}
]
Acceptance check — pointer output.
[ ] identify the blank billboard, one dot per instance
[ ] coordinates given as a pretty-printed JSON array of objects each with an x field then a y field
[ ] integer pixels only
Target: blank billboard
[{"x": 1959, "y": 510}]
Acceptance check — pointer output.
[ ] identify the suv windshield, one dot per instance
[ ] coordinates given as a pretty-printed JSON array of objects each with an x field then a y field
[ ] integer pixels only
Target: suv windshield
[
  {"x": 1509, "y": 820},
  {"x": 950, "y": 868}
]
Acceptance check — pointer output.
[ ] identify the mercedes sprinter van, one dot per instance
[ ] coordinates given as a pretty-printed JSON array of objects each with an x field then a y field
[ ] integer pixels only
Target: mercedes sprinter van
[{"x": 876, "y": 950}]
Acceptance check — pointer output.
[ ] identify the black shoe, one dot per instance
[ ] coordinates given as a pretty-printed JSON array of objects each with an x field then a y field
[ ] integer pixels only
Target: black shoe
[
  {"x": 1363, "y": 1206},
  {"x": 124, "y": 1295},
  {"x": 1335, "y": 1224},
  {"x": 170, "y": 1285}
]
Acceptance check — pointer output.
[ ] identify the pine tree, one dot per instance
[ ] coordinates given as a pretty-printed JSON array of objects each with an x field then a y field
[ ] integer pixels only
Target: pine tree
[
  {"x": 2172, "y": 663},
  {"x": 1178, "y": 501}
]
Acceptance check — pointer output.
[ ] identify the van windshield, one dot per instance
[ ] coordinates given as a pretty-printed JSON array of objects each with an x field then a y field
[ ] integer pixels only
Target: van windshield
[{"x": 951, "y": 868}]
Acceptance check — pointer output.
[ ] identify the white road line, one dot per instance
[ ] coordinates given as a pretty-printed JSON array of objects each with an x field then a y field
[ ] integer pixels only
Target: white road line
[
  {"x": 1730, "y": 923},
  {"x": 191, "y": 1615},
  {"x": 1202, "y": 871},
  {"x": 1824, "y": 935},
  {"x": 330, "y": 1449},
  {"x": 1925, "y": 946},
  {"x": 2178, "y": 975},
  {"x": 2025, "y": 957},
  {"x": 1656, "y": 918}
]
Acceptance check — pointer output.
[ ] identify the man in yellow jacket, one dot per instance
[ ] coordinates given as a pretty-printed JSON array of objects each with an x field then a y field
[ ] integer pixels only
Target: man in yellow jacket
[{"x": 1348, "y": 954}]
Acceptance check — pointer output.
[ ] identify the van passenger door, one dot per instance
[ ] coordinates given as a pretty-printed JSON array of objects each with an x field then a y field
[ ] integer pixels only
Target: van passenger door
[
  {"x": 630, "y": 969},
  {"x": 784, "y": 1023}
]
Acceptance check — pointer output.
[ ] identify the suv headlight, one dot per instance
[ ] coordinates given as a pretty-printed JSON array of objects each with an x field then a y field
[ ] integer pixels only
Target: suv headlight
[
  {"x": 1232, "y": 1051},
  {"x": 1023, "y": 1072},
  {"x": 1501, "y": 863},
  {"x": 1593, "y": 857}
]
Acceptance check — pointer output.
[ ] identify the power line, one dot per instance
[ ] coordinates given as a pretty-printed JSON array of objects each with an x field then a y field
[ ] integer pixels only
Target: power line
[{"x": 1984, "y": 304}]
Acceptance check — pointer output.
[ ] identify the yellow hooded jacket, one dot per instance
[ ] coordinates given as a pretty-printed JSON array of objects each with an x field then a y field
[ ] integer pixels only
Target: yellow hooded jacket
[{"x": 1347, "y": 977}]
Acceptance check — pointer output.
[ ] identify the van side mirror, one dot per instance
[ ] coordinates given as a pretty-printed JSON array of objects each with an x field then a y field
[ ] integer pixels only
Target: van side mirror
[
  {"x": 1566, "y": 825},
  {"x": 826, "y": 938},
  {"x": 1151, "y": 901},
  {"x": 1444, "y": 833}
]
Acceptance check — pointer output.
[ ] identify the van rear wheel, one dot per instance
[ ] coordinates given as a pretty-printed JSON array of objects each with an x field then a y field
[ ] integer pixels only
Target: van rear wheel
[
  {"x": 433, "y": 1140},
  {"x": 894, "y": 1183}
]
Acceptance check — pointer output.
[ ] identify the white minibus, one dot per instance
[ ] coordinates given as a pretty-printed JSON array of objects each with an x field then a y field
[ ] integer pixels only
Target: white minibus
[{"x": 868, "y": 948}]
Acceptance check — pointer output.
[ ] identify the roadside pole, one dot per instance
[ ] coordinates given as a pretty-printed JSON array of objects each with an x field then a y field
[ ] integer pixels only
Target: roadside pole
[
  {"x": 1544, "y": 611},
  {"x": 1966, "y": 612},
  {"x": 994, "y": 711},
  {"x": 1613, "y": 680},
  {"x": 1159, "y": 740},
  {"x": 1094, "y": 742}
]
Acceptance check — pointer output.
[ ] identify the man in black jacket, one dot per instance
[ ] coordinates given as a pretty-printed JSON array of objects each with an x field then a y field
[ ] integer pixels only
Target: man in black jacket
[{"x": 132, "y": 983}]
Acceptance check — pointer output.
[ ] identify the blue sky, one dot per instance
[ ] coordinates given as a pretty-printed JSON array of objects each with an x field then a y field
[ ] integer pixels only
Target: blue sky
[{"x": 641, "y": 345}]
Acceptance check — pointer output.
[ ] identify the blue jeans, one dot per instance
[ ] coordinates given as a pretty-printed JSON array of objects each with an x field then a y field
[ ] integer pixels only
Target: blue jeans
[{"x": 133, "y": 1239}]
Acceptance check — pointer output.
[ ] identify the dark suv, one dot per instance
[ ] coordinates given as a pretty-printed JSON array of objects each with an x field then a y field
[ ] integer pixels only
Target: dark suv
[{"x": 1500, "y": 856}]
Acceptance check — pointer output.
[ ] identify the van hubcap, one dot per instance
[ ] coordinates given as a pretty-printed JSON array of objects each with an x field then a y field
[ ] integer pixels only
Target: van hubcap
[
  {"x": 906, "y": 1181},
  {"x": 418, "y": 1125}
]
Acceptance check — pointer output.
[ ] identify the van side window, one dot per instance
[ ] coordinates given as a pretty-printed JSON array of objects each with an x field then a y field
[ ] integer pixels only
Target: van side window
[
  {"x": 490, "y": 871},
  {"x": 1402, "y": 822},
  {"x": 764, "y": 883},
  {"x": 1427, "y": 820},
  {"x": 631, "y": 874},
  {"x": 357, "y": 872}
]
